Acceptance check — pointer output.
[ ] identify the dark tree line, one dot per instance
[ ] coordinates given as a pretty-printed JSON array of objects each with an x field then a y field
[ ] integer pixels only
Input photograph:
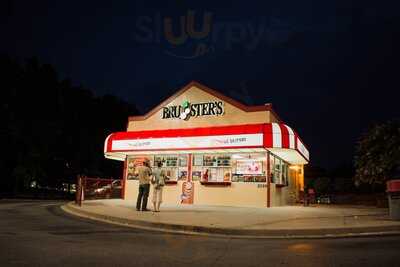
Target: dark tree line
[
  {"x": 51, "y": 130},
  {"x": 376, "y": 160},
  {"x": 377, "y": 157}
]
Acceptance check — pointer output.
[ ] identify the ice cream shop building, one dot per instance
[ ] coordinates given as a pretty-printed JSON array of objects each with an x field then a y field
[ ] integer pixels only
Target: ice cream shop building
[{"x": 215, "y": 150}]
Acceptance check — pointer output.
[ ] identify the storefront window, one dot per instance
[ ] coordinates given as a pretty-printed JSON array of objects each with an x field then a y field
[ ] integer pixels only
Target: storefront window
[
  {"x": 211, "y": 168},
  {"x": 182, "y": 170},
  {"x": 285, "y": 174},
  {"x": 248, "y": 168},
  {"x": 279, "y": 170},
  {"x": 174, "y": 166},
  {"x": 276, "y": 177}
]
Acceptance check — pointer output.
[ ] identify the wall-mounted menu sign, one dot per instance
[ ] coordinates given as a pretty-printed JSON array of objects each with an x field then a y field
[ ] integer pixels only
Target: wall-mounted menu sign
[
  {"x": 198, "y": 160},
  {"x": 216, "y": 161},
  {"x": 167, "y": 161},
  {"x": 248, "y": 167},
  {"x": 183, "y": 161}
]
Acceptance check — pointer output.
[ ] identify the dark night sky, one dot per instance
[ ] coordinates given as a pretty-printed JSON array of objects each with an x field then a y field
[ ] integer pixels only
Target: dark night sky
[{"x": 330, "y": 68}]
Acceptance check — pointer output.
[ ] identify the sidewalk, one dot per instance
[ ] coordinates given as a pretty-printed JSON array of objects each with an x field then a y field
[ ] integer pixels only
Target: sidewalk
[{"x": 277, "y": 222}]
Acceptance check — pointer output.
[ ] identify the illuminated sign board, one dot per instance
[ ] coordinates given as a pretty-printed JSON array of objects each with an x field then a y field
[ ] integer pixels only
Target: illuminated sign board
[
  {"x": 249, "y": 167},
  {"x": 192, "y": 142},
  {"x": 188, "y": 110}
]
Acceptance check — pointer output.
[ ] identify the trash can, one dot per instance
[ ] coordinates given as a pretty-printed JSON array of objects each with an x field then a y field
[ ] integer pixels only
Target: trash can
[{"x": 393, "y": 190}]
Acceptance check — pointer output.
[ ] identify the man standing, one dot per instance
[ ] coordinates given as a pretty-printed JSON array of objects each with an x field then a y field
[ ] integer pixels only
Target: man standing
[{"x": 144, "y": 173}]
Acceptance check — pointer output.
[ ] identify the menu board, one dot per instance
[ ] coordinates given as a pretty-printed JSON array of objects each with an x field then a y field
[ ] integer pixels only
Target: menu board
[
  {"x": 248, "y": 178},
  {"x": 171, "y": 161},
  {"x": 224, "y": 161},
  {"x": 217, "y": 161},
  {"x": 197, "y": 160},
  {"x": 248, "y": 167},
  {"x": 210, "y": 161},
  {"x": 183, "y": 161},
  {"x": 167, "y": 161}
]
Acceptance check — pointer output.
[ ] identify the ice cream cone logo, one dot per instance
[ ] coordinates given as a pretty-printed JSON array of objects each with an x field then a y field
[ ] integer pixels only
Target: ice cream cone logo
[{"x": 185, "y": 115}]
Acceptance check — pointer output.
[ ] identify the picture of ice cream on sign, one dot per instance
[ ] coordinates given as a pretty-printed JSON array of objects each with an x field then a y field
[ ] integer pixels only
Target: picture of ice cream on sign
[
  {"x": 248, "y": 167},
  {"x": 187, "y": 193}
]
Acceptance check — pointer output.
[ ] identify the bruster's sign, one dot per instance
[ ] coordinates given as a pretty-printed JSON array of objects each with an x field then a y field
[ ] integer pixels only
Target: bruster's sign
[{"x": 188, "y": 110}]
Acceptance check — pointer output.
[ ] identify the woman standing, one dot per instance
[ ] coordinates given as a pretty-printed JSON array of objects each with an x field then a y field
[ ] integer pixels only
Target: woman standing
[{"x": 158, "y": 182}]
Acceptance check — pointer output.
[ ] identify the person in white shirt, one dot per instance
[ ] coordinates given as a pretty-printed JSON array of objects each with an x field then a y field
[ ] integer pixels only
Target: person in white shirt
[{"x": 158, "y": 182}]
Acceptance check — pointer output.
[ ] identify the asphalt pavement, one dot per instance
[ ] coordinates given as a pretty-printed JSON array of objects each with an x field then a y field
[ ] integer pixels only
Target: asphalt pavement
[
  {"x": 39, "y": 233},
  {"x": 316, "y": 221}
]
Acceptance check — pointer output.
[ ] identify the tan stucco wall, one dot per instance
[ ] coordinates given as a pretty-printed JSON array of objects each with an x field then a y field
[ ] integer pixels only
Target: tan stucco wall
[
  {"x": 131, "y": 189},
  {"x": 237, "y": 194},
  {"x": 232, "y": 115}
]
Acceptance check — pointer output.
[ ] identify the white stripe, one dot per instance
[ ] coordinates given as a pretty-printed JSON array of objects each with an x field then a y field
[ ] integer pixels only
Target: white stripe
[
  {"x": 276, "y": 135},
  {"x": 215, "y": 141},
  {"x": 106, "y": 142},
  {"x": 291, "y": 136},
  {"x": 303, "y": 150}
]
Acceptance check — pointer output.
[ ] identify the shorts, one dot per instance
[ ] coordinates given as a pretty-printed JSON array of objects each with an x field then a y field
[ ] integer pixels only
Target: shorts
[{"x": 157, "y": 194}]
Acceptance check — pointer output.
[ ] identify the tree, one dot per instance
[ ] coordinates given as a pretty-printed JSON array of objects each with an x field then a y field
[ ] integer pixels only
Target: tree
[
  {"x": 378, "y": 153},
  {"x": 52, "y": 129}
]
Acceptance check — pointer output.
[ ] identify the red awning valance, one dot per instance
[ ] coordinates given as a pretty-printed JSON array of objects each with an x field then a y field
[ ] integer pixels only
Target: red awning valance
[{"x": 277, "y": 137}]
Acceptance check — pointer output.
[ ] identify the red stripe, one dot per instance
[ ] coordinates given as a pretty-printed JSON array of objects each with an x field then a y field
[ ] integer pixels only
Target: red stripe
[
  {"x": 268, "y": 135},
  {"x": 284, "y": 136},
  {"x": 209, "y": 131},
  {"x": 224, "y": 130}
]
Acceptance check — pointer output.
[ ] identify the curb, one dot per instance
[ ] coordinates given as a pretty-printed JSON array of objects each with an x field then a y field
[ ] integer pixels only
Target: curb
[{"x": 237, "y": 233}]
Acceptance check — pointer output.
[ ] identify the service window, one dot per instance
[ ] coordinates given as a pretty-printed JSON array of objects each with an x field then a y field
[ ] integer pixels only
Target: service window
[{"x": 170, "y": 166}]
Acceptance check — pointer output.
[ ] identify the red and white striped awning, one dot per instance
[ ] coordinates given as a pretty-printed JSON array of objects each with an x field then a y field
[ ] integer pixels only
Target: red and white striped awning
[{"x": 278, "y": 138}]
